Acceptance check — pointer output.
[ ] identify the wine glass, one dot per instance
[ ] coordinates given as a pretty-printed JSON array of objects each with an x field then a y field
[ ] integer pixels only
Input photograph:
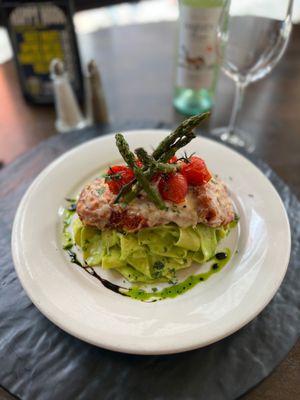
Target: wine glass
[{"x": 252, "y": 36}]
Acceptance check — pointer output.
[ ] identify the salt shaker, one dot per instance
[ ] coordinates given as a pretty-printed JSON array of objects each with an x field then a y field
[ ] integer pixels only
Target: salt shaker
[{"x": 68, "y": 114}]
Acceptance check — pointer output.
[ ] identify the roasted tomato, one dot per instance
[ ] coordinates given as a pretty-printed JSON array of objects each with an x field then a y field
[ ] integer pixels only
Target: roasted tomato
[
  {"x": 195, "y": 171},
  {"x": 117, "y": 176},
  {"x": 139, "y": 163},
  {"x": 173, "y": 160},
  {"x": 173, "y": 187}
]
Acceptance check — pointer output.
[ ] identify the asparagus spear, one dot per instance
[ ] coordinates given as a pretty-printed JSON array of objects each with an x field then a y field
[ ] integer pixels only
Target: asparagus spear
[
  {"x": 140, "y": 177},
  {"x": 128, "y": 186},
  {"x": 181, "y": 131},
  {"x": 166, "y": 149},
  {"x": 124, "y": 150},
  {"x": 152, "y": 164},
  {"x": 128, "y": 195},
  {"x": 178, "y": 145}
]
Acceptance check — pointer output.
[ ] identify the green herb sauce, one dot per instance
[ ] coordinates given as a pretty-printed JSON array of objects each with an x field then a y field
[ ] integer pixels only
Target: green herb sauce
[{"x": 218, "y": 263}]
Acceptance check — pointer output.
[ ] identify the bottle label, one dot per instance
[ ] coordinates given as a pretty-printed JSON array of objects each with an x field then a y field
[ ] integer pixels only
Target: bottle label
[{"x": 197, "y": 54}]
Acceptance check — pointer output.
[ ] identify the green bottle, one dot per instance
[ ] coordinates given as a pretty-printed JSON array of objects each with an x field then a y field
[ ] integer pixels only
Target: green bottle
[{"x": 197, "y": 65}]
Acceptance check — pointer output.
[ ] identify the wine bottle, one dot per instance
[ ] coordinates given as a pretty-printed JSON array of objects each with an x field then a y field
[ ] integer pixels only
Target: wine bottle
[{"x": 197, "y": 65}]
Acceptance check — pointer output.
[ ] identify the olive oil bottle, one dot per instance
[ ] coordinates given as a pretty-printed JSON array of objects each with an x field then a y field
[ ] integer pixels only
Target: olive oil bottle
[{"x": 197, "y": 61}]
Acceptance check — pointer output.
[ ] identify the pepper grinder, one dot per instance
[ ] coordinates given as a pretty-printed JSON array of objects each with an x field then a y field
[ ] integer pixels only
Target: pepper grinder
[
  {"x": 68, "y": 114},
  {"x": 96, "y": 108}
]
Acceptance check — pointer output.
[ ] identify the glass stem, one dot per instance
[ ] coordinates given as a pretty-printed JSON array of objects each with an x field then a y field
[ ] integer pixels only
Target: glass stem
[{"x": 238, "y": 100}]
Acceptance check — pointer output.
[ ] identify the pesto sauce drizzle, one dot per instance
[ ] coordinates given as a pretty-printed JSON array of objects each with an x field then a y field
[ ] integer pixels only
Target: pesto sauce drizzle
[{"x": 182, "y": 287}]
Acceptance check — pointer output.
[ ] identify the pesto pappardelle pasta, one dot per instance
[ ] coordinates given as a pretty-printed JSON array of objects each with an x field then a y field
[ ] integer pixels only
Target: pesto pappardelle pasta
[{"x": 151, "y": 254}]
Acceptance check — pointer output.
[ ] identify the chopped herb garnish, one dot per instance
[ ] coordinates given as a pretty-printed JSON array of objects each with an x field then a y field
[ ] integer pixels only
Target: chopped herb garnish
[
  {"x": 101, "y": 191},
  {"x": 158, "y": 265},
  {"x": 112, "y": 177}
]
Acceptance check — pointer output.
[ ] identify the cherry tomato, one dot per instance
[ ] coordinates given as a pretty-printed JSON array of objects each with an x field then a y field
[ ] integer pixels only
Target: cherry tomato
[
  {"x": 155, "y": 178},
  {"x": 117, "y": 176},
  {"x": 139, "y": 163},
  {"x": 173, "y": 187},
  {"x": 173, "y": 160},
  {"x": 195, "y": 171}
]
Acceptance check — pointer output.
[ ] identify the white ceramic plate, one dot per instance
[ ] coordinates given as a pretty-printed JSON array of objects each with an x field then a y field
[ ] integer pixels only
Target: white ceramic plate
[{"x": 77, "y": 303}]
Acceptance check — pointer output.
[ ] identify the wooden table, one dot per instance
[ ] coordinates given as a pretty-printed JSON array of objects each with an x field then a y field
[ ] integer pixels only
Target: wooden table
[{"x": 137, "y": 68}]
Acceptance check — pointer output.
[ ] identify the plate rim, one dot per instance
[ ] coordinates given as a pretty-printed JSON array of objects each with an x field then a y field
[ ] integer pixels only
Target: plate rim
[{"x": 127, "y": 348}]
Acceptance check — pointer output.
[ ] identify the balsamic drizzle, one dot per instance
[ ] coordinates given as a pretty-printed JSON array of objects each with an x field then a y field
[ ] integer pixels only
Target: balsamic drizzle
[
  {"x": 221, "y": 256},
  {"x": 109, "y": 285}
]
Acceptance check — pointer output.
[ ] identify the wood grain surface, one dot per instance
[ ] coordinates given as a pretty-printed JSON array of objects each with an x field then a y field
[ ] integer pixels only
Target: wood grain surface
[{"x": 137, "y": 63}]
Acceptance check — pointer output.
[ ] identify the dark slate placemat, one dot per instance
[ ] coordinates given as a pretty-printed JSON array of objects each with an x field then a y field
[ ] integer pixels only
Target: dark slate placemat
[{"x": 40, "y": 361}]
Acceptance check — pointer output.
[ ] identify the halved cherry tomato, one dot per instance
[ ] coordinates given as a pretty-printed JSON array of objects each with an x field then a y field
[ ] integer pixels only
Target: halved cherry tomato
[
  {"x": 117, "y": 176},
  {"x": 173, "y": 187},
  {"x": 195, "y": 171}
]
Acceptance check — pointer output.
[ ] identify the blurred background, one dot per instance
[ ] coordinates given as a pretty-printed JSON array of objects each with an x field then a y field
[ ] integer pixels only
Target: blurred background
[
  {"x": 126, "y": 39},
  {"x": 133, "y": 81}
]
